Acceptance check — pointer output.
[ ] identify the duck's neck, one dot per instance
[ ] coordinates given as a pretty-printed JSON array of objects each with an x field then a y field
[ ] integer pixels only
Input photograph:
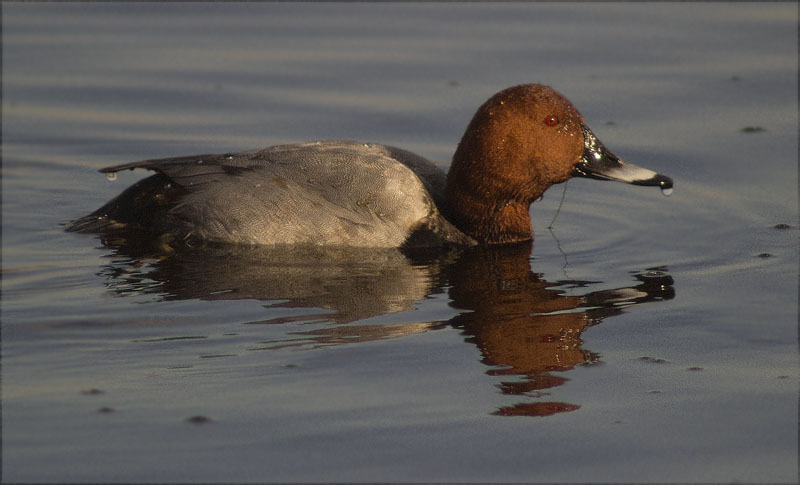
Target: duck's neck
[{"x": 480, "y": 214}]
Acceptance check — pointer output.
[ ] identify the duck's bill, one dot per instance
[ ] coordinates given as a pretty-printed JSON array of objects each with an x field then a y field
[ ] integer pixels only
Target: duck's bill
[{"x": 599, "y": 163}]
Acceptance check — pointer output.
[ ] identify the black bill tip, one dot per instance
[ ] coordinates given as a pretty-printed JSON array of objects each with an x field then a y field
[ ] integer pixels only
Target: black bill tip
[{"x": 661, "y": 181}]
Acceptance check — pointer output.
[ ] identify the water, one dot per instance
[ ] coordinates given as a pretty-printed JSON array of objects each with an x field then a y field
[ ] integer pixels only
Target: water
[{"x": 642, "y": 338}]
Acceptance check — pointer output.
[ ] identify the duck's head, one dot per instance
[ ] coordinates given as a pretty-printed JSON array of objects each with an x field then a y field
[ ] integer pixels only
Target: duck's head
[{"x": 520, "y": 142}]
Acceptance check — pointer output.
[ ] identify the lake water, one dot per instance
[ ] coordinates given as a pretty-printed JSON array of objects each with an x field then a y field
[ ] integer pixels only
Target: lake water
[{"x": 643, "y": 338}]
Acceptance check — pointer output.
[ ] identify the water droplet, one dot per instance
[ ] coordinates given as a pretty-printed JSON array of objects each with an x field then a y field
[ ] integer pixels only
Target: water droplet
[
  {"x": 666, "y": 192},
  {"x": 111, "y": 176}
]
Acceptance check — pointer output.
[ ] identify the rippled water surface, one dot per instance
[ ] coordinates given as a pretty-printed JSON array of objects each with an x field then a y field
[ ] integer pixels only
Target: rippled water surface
[{"x": 643, "y": 338}]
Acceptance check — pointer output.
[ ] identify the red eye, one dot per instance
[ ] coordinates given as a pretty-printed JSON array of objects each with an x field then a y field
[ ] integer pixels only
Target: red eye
[{"x": 551, "y": 120}]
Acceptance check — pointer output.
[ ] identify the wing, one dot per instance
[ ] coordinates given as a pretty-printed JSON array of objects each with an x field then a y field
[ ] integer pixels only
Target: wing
[
  {"x": 335, "y": 193},
  {"x": 197, "y": 169},
  {"x": 330, "y": 192}
]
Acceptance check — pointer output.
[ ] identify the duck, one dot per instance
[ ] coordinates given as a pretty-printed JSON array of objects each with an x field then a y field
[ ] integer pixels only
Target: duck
[{"x": 521, "y": 141}]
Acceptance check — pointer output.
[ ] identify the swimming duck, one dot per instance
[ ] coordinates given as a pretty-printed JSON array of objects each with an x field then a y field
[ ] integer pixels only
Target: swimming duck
[{"x": 520, "y": 142}]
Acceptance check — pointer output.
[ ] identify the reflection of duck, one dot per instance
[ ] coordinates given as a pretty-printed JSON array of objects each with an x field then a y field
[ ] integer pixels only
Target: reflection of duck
[
  {"x": 352, "y": 283},
  {"x": 524, "y": 326},
  {"x": 520, "y": 142},
  {"x": 527, "y": 325}
]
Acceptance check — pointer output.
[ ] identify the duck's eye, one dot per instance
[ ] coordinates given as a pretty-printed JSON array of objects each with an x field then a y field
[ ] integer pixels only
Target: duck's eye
[{"x": 551, "y": 120}]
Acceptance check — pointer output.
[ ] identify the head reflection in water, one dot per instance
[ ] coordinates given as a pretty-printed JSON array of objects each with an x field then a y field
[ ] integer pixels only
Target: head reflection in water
[{"x": 527, "y": 328}]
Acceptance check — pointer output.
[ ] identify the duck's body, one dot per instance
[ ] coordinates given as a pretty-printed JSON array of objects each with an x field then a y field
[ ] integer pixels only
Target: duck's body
[{"x": 347, "y": 193}]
